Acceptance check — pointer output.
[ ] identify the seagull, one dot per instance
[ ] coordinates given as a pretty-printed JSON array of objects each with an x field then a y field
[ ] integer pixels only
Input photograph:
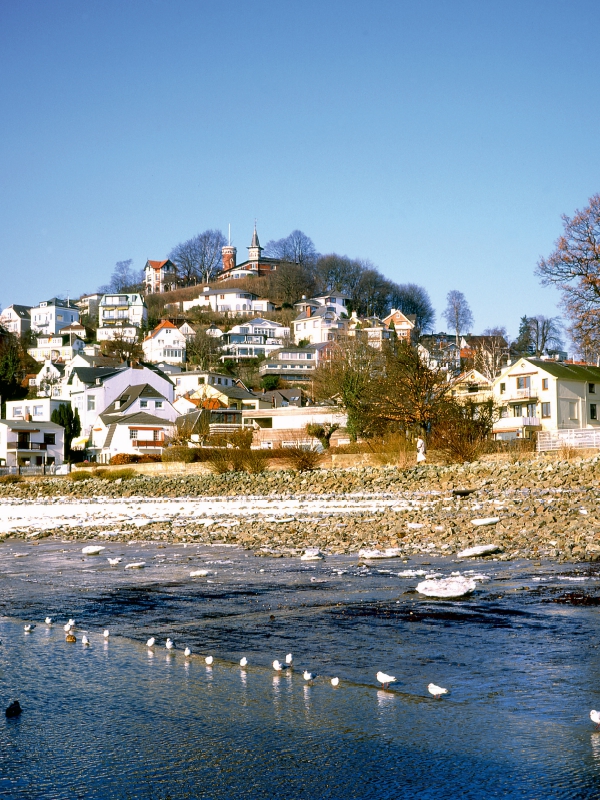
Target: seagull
[
  {"x": 277, "y": 666},
  {"x": 67, "y": 627},
  {"x": 187, "y": 652},
  {"x": 85, "y": 640},
  {"x": 72, "y": 623},
  {"x": 29, "y": 628},
  {"x": 169, "y": 644},
  {"x": 308, "y": 676},
  {"x": 595, "y": 717},
  {"x": 106, "y": 633},
  {"x": 335, "y": 681},
  {"x": 385, "y": 679},
  {"x": 243, "y": 661},
  {"x": 48, "y": 620},
  {"x": 114, "y": 561},
  {"x": 151, "y": 642},
  {"x": 288, "y": 658},
  {"x": 437, "y": 691},
  {"x": 209, "y": 660}
]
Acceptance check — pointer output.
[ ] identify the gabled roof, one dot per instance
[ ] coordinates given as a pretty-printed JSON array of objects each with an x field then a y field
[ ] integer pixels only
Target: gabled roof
[
  {"x": 142, "y": 418},
  {"x": 89, "y": 375},
  {"x": 567, "y": 372},
  {"x": 22, "y": 311},
  {"x": 320, "y": 311},
  {"x": 161, "y": 327},
  {"x": 158, "y": 264},
  {"x": 29, "y": 426},
  {"x": 128, "y": 396}
]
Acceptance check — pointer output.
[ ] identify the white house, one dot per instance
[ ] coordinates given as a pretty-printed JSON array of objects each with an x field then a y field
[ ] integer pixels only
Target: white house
[
  {"x": 137, "y": 421},
  {"x": 318, "y": 325},
  {"x": 543, "y": 395},
  {"x": 160, "y": 276},
  {"x": 293, "y": 363},
  {"x": 56, "y": 347},
  {"x": 16, "y": 319},
  {"x": 371, "y": 330},
  {"x": 286, "y": 426},
  {"x": 165, "y": 343},
  {"x": 38, "y": 410},
  {"x": 51, "y": 316},
  {"x": 188, "y": 382},
  {"x": 51, "y": 380},
  {"x": 229, "y": 301},
  {"x": 93, "y": 389},
  {"x": 30, "y": 444},
  {"x": 336, "y": 302},
  {"x": 257, "y": 337},
  {"x": 121, "y": 315}
]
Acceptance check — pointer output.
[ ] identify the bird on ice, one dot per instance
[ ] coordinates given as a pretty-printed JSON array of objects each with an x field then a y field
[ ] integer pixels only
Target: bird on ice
[
  {"x": 436, "y": 691},
  {"x": 288, "y": 658},
  {"x": 595, "y": 717},
  {"x": 209, "y": 660},
  {"x": 335, "y": 681},
  {"x": 277, "y": 666},
  {"x": 169, "y": 644},
  {"x": 29, "y": 628},
  {"x": 85, "y": 640},
  {"x": 187, "y": 652},
  {"x": 151, "y": 642},
  {"x": 243, "y": 661},
  {"x": 114, "y": 561},
  {"x": 385, "y": 679},
  {"x": 48, "y": 620}
]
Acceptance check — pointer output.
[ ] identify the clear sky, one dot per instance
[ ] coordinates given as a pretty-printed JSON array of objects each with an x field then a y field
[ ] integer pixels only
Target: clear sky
[{"x": 441, "y": 139}]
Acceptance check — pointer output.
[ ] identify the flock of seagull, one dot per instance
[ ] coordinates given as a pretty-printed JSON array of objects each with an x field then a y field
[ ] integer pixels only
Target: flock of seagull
[{"x": 382, "y": 677}]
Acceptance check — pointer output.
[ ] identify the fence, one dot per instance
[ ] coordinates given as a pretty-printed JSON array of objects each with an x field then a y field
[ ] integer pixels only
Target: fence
[
  {"x": 581, "y": 439},
  {"x": 50, "y": 469}
]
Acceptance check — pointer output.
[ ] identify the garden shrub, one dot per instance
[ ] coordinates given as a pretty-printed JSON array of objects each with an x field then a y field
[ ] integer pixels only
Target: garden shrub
[{"x": 302, "y": 460}]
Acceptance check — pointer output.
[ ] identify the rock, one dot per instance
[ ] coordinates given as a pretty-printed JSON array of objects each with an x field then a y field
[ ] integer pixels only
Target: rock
[
  {"x": 13, "y": 710},
  {"x": 486, "y": 521},
  {"x": 92, "y": 550},
  {"x": 136, "y": 565},
  {"x": 70, "y": 637},
  {"x": 390, "y": 552},
  {"x": 479, "y": 550},
  {"x": 312, "y": 554}
]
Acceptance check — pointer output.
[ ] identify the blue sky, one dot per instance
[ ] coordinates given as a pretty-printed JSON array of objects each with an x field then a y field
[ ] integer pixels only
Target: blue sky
[{"x": 440, "y": 140}]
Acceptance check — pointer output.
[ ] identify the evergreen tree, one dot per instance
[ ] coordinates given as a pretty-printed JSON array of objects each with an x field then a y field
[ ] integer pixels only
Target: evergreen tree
[{"x": 69, "y": 419}]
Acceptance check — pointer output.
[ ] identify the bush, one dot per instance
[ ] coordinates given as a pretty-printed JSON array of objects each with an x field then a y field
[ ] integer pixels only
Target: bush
[
  {"x": 120, "y": 474},
  {"x": 186, "y": 455},
  {"x": 256, "y": 461},
  {"x": 302, "y": 460},
  {"x": 394, "y": 449},
  {"x": 99, "y": 473},
  {"x": 149, "y": 458},
  {"x": 10, "y": 479},
  {"x": 80, "y": 475},
  {"x": 218, "y": 461},
  {"x": 124, "y": 458}
]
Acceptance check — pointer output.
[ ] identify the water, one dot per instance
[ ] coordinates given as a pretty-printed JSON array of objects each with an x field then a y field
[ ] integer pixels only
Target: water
[{"x": 115, "y": 720}]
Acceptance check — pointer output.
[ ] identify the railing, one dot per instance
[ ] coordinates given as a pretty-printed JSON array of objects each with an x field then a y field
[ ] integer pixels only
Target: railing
[
  {"x": 520, "y": 394},
  {"x": 512, "y": 423},
  {"x": 578, "y": 438},
  {"x": 26, "y": 446},
  {"x": 148, "y": 442}
]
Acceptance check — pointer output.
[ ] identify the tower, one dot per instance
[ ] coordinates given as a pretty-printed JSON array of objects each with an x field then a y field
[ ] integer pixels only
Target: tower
[
  {"x": 228, "y": 254},
  {"x": 255, "y": 250}
]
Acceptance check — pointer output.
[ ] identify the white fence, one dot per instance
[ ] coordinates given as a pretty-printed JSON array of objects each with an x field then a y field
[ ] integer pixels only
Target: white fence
[{"x": 579, "y": 439}]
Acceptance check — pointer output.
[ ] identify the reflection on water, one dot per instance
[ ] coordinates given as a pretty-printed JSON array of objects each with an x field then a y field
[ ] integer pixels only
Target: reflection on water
[{"x": 119, "y": 720}]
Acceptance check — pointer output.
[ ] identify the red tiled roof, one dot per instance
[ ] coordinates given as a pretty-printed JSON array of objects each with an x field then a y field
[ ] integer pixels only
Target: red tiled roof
[
  {"x": 161, "y": 326},
  {"x": 157, "y": 264}
]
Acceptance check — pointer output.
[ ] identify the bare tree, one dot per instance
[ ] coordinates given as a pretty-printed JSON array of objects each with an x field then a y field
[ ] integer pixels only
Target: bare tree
[
  {"x": 457, "y": 314},
  {"x": 338, "y": 274},
  {"x": 199, "y": 258},
  {"x": 409, "y": 298},
  {"x": 124, "y": 278},
  {"x": 122, "y": 347},
  {"x": 297, "y": 248},
  {"x": 204, "y": 351},
  {"x": 538, "y": 334},
  {"x": 490, "y": 351}
]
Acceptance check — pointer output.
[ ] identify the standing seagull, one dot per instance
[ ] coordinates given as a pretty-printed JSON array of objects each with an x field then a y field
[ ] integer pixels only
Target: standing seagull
[
  {"x": 151, "y": 642},
  {"x": 595, "y": 717},
  {"x": 436, "y": 691},
  {"x": 243, "y": 661},
  {"x": 288, "y": 659},
  {"x": 209, "y": 660},
  {"x": 335, "y": 681},
  {"x": 277, "y": 666},
  {"x": 385, "y": 679},
  {"x": 187, "y": 652},
  {"x": 85, "y": 640},
  {"x": 48, "y": 620},
  {"x": 308, "y": 676},
  {"x": 106, "y": 633},
  {"x": 29, "y": 628},
  {"x": 169, "y": 644}
]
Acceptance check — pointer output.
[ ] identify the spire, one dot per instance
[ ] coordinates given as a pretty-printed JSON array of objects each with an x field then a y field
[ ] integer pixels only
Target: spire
[
  {"x": 255, "y": 242},
  {"x": 255, "y": 250}
]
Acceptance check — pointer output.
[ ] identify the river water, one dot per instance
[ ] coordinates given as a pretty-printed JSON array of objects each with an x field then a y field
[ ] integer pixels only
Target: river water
[{"x": 119, "y": 720}]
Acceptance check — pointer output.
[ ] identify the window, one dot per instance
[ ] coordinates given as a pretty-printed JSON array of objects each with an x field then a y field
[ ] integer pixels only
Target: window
[
  {"x": 143, "y": 404},
  {"x": 546, "y": 410},
  {"x": 18, "y": 411},
  {"x": 523, "y": 383},
  {"x": 573, "y": 411},
  {"x": 531, "y": 409},
  {"x": 544, "y": 383},
  {"x": 38, "y": 411},
  {"x": 504, "y": 412},
  {"x": 49, "y": 438},
  {"x": 518, "y": 411},
  {"x": 502, "y": 388},
  {"x": 91, "y": 402},
  {"x": 593, "y": 411},
  {"x": 133, "y": 434},
  {"x": 592, "y": 388},
  {"x": 156, "y": 436},
  {"x": 158, "y": 404}
]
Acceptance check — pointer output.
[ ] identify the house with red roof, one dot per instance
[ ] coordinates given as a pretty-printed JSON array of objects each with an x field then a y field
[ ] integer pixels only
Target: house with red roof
[
  {"x": 165, "y": 343},
  {"x": 160, "y": 276}
]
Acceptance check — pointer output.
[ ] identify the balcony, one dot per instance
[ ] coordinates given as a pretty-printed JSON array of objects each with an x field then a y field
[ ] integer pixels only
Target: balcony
[
  {"x": 26, "y": 446},
  {"x": 148, "y": 442},
  {"x": 519, "y": 394},
  {"x": 516, "y": 423}
]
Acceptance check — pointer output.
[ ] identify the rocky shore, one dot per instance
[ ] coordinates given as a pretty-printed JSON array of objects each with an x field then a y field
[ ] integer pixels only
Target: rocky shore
[{"x": 537, "y": 509}]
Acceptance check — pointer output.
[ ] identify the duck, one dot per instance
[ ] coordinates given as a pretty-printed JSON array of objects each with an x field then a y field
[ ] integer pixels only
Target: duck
[
  {"x": 385, "y": 679},
  {"x": 13, "y": 710}
]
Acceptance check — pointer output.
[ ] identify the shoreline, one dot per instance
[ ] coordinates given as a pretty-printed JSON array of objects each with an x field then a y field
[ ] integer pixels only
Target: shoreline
[{"x": 543, "y": 510}]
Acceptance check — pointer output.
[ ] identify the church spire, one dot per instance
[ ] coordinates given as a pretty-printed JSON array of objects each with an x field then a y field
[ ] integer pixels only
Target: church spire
[{"x": 255, "y": 250}]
